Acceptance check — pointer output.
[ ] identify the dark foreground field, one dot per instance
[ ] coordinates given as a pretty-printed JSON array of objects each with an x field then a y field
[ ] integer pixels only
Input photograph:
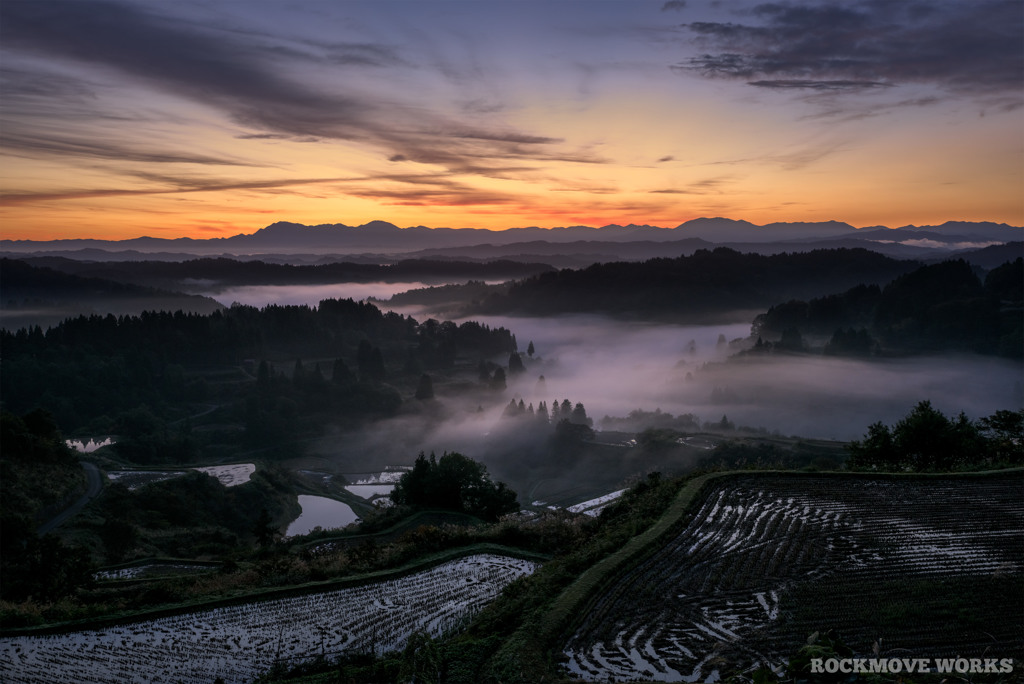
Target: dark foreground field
[{"x": 926, "y": 567}]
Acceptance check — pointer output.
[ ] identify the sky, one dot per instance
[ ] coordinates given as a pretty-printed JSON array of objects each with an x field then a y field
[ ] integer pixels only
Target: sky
[{"x": 122, "y": 118}]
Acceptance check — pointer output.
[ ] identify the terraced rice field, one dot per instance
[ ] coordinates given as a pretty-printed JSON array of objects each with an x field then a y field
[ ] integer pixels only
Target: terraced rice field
[
  {"x": 237, "y": 643},
  {"x": 933, "y": 566},
  {"x": 228, "y": 475}
]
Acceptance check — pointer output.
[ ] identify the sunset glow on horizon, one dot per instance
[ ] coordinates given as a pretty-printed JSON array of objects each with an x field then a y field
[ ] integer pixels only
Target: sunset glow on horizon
[{"x": 125, "y": 118}]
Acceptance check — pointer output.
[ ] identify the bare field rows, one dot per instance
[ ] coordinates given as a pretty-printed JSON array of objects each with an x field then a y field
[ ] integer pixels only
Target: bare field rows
[
  {"x": 237, "y": 643},
  {"x": 932, "y": 566}
]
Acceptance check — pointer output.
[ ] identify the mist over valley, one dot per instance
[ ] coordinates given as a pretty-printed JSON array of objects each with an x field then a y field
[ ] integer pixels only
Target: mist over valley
[
  {"x": 389, "y": 416},
  {"x": 521, "y": 342}
]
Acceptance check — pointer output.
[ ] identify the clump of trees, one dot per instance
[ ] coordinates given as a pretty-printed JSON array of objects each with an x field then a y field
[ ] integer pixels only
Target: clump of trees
[
  {"x": 639, "y": 419},
  {"x": 926, "y": 440},
  {"x": 454, "y": 482},
  {"x": 193, "y": 515}
]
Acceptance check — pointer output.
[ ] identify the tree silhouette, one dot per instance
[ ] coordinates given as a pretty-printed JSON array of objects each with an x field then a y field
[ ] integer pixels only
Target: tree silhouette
[
  {"x": 454, "y": 482},
  {"x": 515, "y": 364},
  {"x": 263, "y": 529},
  {"x": 579, "y": 415},
  {"x": 341, "y": 374},
  {"x": 425, "y": 390},
  {"x": 924, "y": 440},
  {"x": 377, "y": 371}
]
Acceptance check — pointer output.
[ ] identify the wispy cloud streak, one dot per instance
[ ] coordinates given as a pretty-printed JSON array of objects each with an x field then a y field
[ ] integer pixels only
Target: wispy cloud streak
[{"x": 237, "y": 74}]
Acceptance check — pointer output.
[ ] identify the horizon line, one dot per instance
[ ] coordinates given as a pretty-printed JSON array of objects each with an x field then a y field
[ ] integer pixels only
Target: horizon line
[{"x": 502, "y": 230}]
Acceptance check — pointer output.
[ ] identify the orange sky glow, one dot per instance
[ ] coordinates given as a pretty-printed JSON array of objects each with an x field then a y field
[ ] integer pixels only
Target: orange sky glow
[{"x": 219, "y": 120}]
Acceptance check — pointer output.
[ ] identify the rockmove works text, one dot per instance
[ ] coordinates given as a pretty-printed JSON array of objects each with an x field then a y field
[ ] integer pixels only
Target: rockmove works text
[{"x": 911, "y": 665}]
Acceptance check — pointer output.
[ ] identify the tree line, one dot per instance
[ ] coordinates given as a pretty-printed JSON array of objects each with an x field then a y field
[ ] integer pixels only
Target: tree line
[
  {"x": 925, "y": 440},
  {"x": 91, "y": 366},
  {"x": 937, "y": 307},
  {"x": 235, "y": 272}
]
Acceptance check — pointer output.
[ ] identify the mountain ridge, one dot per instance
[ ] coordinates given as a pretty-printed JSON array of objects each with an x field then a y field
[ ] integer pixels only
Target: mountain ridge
[{"x": 387, "y": 237}]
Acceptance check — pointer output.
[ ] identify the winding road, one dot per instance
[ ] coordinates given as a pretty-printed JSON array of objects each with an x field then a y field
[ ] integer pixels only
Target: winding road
[{"x": 94, "y": 485}]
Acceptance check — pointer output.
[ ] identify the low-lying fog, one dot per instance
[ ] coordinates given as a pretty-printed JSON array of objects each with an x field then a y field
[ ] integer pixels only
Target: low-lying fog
[
  {"x": 285, "y": 295},
  {"x": 262, "y": 295},
  {"x": 614, "y": 367}
]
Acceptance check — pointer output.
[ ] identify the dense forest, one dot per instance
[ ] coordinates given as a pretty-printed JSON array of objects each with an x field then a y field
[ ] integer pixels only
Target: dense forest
[
  {"x": 280, "y": 364},
  {"x": 939, "y": 307},
  {"x": 690, "y": 288}
]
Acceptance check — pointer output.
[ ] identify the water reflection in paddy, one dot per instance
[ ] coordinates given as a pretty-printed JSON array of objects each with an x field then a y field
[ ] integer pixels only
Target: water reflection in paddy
[{"x": 319, "y": 511}]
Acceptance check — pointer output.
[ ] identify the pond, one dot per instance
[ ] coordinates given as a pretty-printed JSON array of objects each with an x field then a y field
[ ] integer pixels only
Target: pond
[{"x": 319, "y": 511}]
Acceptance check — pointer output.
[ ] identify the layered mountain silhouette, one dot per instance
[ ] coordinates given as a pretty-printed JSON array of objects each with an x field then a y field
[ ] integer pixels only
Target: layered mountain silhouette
[{"x": 386, "y": 238}]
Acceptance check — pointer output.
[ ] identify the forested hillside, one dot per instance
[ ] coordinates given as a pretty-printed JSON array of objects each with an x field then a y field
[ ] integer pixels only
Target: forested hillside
[
  {"x": 288, "y": 362},
  {"x": 940, "y": 307},
  {"x": 41, "y": 295},
  {"x": 687, "y": 288}
]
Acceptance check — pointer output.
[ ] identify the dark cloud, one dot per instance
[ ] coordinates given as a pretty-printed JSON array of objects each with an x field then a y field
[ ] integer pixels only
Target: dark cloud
[
  {"x": 32, "y": 84},
  {"x": 406, "y": 189},
  {"x": 972, "y": 47},
  {"x": 28, "y": 142},
  {"x": 421, "y": 198},
  {"x": 362, "y": 54},
  {"x": 515, "y": 138},
  {"x": 869, "y": 110},
  {"x": 789, "y": 84},
  {"x": 181, "y": 185},
  {"x": 238, "y": 73},
  {"x": 707, "y": 186},
  {"x": 173, "y": 55},
  {"x": 262, "y": 136},
  {"x": 667, "y": 158},
  {"x": 674, "y": 5}
]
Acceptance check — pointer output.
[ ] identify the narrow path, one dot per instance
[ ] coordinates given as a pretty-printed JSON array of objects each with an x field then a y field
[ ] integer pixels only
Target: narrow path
[
  {"x": 94, "y": 485},
  {"x": 210, "y": 408}
]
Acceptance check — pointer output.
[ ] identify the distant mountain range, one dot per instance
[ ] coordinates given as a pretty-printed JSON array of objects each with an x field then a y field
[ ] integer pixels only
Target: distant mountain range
[{"x": 381, "y": 237}]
